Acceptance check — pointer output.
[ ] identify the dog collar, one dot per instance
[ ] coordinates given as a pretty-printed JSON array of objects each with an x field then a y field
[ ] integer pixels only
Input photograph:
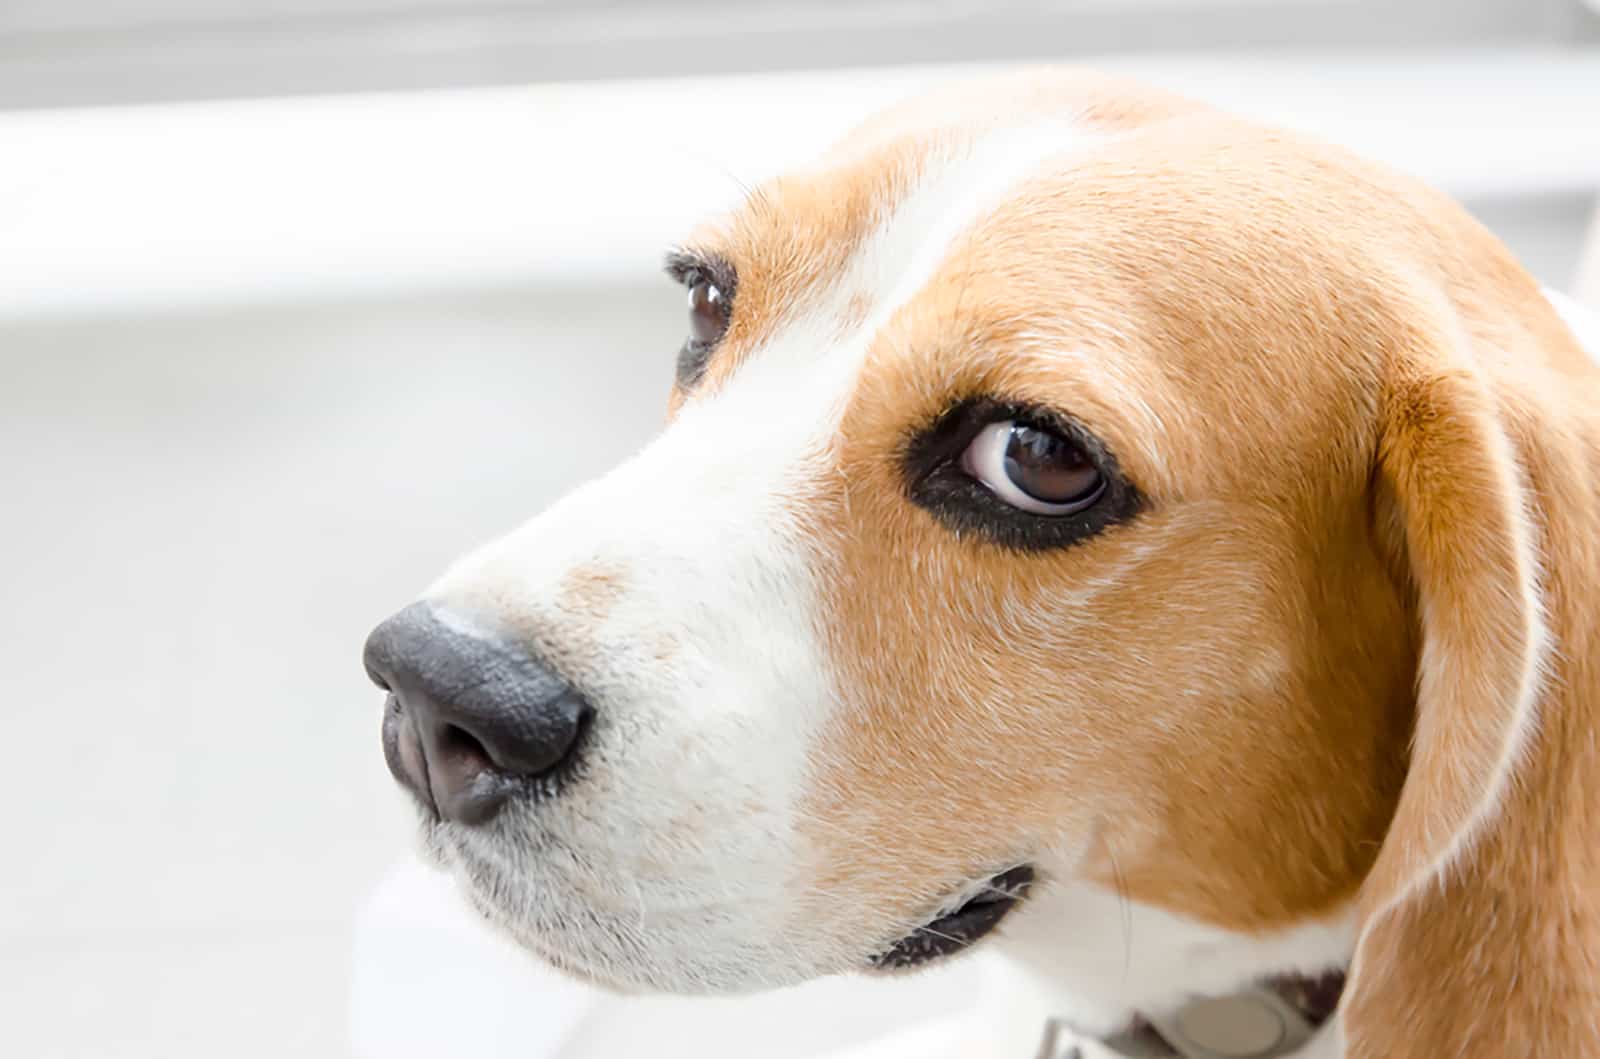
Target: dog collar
[{"x": 1267, "y": 1020}]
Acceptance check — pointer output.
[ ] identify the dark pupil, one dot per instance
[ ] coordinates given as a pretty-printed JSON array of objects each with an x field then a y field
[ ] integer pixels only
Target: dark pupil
[
  {"x": 1048, "y": 467},
  {"x": 707, "y": 317}
]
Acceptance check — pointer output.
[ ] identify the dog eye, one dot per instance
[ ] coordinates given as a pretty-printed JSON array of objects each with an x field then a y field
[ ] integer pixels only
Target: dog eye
[
  {"x": 708, "y": 312},
  {"x": 1033, "y": 469},
  {"x": 709, "y": 309}
]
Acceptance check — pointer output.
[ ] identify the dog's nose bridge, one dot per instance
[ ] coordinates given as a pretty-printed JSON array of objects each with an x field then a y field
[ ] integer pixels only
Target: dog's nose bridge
[
  {"x": 700, "y": 499},
  {"x": 675, "y": 554}
]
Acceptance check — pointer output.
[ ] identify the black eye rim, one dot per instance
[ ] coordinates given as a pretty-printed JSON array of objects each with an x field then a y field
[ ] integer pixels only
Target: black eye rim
[
  {"x": 690, "y": 268},
  {"x": 937, "y": 483}
]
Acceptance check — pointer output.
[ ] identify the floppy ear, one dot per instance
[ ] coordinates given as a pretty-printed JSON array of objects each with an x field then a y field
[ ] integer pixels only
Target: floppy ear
[{"x": 1442, "y": 913}]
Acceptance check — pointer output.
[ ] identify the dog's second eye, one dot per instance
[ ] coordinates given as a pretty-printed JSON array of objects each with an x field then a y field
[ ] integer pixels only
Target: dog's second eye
[
  {"x": 708, "y": 313},
  {"x": 1033, "y": 469},
  {"x": 708, "y": 318}
]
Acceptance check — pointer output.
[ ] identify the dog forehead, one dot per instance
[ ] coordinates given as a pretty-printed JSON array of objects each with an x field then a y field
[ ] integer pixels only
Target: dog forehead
[
  {"x": 1139, "y": 261},
  {"x": 827, "y": 257},
  {"x": 949, "y": 152}
]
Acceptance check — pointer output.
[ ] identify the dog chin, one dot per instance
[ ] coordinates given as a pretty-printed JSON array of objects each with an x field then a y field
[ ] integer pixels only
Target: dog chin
[
  {"x": 497, "y": 902},
  {"x": 554, "y": 919}
]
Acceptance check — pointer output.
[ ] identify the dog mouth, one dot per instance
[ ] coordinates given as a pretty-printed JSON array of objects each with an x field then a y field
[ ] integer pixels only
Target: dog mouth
[{"x": 952, "y": 931}]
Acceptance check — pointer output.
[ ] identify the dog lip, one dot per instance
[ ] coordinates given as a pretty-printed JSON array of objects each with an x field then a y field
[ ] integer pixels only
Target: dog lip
[
  {"x": 955, "y": 930},
  {"x": 402, "y": 752}
]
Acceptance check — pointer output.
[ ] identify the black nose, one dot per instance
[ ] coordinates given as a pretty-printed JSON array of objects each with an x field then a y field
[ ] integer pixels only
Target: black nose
[{"x": 471, "y": 717}]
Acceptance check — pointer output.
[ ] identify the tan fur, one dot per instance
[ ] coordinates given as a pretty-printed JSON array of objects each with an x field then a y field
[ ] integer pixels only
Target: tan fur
[
  {"x": 589, "y": 591},
  {"x": 1341, "y": 398},
  {"x": 1498, "y": 956}
]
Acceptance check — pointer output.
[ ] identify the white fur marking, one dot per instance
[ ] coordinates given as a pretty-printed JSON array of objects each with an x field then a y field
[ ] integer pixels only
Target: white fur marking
[{"x": 1106, "y": 959}]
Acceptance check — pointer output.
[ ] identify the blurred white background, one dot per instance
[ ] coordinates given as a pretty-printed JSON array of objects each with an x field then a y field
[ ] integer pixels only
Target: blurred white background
[{"x": 300, "y": 299}]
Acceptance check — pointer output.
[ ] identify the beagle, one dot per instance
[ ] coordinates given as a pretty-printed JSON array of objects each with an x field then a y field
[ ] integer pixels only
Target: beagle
[{"x": 1091, "y": 528}]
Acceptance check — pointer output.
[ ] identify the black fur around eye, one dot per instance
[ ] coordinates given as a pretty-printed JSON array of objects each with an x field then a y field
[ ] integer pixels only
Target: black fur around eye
[{"x": 1025, "y": 478}]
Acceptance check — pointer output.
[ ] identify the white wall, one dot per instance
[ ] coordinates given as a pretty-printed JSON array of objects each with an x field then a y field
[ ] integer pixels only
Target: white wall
[{"x": 87, "y": 52}]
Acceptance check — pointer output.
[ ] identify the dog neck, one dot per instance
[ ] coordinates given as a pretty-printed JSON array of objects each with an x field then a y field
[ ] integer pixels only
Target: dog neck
[{"x": 1148, "y": 982}]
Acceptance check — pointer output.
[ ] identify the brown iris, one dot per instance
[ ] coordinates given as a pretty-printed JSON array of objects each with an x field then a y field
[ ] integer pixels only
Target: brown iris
[
  {"x": 1048, "y": 467},
  {"x": 1033, "y": 469},
  {"x": 708, "y": 313}
]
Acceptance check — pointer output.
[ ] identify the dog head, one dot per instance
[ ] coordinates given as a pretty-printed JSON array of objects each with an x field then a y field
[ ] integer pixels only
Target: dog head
[{"x": 1064, "y": 485}]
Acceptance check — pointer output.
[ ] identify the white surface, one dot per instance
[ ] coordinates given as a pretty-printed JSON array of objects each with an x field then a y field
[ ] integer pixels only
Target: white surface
[
  {"x": 194, "y": 203},
  {"x": 1587, "y": 285},
  {"x": 1582, "y": 319},
  {"x": 429, "y": 980}
]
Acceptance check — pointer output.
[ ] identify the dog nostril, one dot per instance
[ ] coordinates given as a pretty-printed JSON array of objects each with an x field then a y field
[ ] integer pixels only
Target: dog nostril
[{"x": 458, "y": 742}]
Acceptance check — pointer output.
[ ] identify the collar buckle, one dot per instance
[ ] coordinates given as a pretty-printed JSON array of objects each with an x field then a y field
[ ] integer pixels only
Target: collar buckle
[
  {"x": 1254, "y": 1023},
  {"x": 1250, "y": 1024}
]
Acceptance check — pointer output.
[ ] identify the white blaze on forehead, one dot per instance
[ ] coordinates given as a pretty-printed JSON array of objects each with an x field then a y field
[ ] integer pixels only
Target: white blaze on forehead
[
  {"x": 960, "y": 186},
  {"x": 963, "y": 178}
]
